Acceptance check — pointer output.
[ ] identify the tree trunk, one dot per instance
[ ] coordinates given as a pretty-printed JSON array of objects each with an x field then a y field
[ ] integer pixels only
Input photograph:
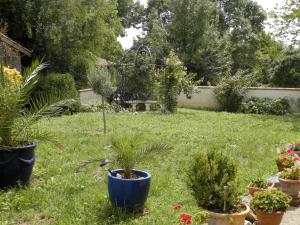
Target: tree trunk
[{"x": 103, "y": 114}]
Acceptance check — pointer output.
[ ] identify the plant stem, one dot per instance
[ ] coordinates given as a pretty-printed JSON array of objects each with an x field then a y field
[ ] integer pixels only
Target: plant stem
[{"x": 103, "y": 114}]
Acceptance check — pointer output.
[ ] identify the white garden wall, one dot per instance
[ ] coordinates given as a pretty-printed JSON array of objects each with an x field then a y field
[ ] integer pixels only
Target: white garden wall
[
  {"x": 205, "y": 98},
  {"x": 88, "y": 96}
]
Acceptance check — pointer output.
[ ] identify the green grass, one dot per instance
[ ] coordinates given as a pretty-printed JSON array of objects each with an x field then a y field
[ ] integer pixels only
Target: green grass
[{"x": 60, "y": 195}]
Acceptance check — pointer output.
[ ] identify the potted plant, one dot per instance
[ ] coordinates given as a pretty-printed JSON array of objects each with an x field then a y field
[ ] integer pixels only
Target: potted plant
[
  {"x": 212, "y": 180},
  {"x": 286, "y": 159},
  {"x": 18, "y": 114},
  {"x": 128, "y": 187},
  {"x": 256, "y": 185},
  {"x": 290, "y": 181},
  {"x": 270, "y": 206}
]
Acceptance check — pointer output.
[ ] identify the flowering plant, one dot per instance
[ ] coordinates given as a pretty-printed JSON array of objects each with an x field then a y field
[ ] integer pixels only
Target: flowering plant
[
  {"x": 186, "y": 218},
  {"x": 287, "y": 158},
  {"x": 291, "y": 173}
]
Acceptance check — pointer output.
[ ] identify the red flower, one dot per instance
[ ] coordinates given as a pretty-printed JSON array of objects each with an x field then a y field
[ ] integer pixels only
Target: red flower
[
  {"x": 284, "y": 158},
  {"x": 186, "y": 218},
  {"x": 176, "y": 207},
  {"x": 290, "y": 152},
  {"x": 296, "y": 159}
]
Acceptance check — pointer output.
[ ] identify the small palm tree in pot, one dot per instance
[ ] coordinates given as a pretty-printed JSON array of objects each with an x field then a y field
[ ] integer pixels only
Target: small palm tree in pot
[{"x": 19, "y": 115}]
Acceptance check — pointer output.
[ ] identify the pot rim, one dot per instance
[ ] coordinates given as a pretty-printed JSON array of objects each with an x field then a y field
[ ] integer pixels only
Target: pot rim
[
  {"x": 245, "y": 212},
  {"x": 263, "y": 212},
  {"x": 13, "y": 148},
  {"x": 289, "y": 180},
  {"x": 129, "y": 180}
]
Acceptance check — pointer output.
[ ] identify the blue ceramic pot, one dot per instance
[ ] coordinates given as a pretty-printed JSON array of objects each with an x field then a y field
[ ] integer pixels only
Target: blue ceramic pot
[
  {"x": 129, "y": 193},
  {"x": 16, "y": 165}
]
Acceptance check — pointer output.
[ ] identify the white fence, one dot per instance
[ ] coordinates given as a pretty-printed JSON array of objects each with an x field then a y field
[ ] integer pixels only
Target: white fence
[{"x": 205, "y": 98}]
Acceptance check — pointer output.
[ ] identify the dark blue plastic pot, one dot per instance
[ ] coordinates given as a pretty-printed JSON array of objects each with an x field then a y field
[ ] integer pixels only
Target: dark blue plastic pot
[
  {"x": 16, "y": 165},
  {"x": 129, "y": 193}
]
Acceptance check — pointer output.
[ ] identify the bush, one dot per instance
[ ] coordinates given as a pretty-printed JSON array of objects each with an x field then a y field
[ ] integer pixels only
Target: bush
[
  {"x": 287, "y": 71},
  {"x": 278, "y": 106},
  {"x": 208, "y": 175},
  {"x": 270, "y": 201},
  {"x": 230, "y": 93},
  {"x": 65, "y": 107},
  {"x": 56, "y": 84}
]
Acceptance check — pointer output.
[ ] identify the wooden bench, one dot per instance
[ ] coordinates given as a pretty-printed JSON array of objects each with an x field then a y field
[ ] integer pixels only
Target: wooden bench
[{"x": 147, "y": 103}]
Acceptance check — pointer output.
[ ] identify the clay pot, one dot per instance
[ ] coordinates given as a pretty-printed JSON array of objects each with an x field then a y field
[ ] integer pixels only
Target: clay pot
[
  {"x": 290, "y": 187},
  {"x": 264, "y": 218},
  {"x": 281, "y": 167},
  {"x": 228, "y": 219},
  {"x": 252, "y": 190}
]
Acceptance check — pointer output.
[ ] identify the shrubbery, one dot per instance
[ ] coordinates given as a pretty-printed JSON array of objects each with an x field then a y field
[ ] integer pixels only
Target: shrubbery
[
  {"x": 230, "y": 93},
  {"x": 56, "y": 84},
  {"x": 256, "y": 105},
  {"x": 208, "y": 175},
  {"x": 287, "y": 71}
]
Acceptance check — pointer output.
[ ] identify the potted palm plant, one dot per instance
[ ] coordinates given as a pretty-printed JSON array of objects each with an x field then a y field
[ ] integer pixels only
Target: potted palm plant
[
  {"x": 290, "y": 181},
  {"x": 128, "y": 187},
  {"x": 270, "y": 206},
  {"x": 18, "y": 130},
  {"x": 212, "y": 180}
]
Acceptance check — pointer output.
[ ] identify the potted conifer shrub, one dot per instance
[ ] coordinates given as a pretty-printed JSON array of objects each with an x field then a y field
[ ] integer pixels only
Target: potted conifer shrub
[
  {"x": 18, "y": 129},
  {"x": 212, "y": 180},
  {"x": 270, "y": 206},
  {"x": 128, "y": 187},
  {"x": 290, "y": 181}
]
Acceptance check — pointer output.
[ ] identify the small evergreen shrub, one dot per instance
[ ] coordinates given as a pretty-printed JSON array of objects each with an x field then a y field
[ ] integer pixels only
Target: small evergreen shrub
[
  {"x": 230, "y": 93},
  {"x": 208, "y": 175},
  {"x": 270, "y": 201},
  {"x": 56, "y": 84},
  {"x": 254, "y": 105}
]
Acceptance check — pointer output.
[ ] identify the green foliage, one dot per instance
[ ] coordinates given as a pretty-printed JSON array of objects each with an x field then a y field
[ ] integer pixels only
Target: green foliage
[
  {"x": 208, "y": 174},
  {"x": 292, "y": 173},
  {"x": 270, "y": 201},
  {"x": 259, "y": 183},
  {"x": 53, "y": 83},
  {"x": 230, "y": 93},
  {"x": 287, "y": 71},
  {"x": 277, "y": 106},
  {"x": 16, "y": 122},
  {"x": 173, "y": 80},
  {"x": 285, "y": 22},
  {"x": 129, "y": 149},
  {"x": 70, "y": 34},
  {"x": 102, "y": 82},
  {"x": 64, "y": 107}
]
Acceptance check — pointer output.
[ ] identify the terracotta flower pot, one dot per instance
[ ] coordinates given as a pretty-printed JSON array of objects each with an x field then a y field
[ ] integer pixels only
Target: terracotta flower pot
[
  {"x": 228, "y": 219},
  {"x": 281, "y": 167},
  {"x": 252, "y": 190},
  {"x": 290, "y": 187},
  {"x": 264, "y": 218}
]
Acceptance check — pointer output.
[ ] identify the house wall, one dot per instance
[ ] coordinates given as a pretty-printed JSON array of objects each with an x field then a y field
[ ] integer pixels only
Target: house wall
[
  {"x": 11, "y": 58},
  {"x": 205, "y": 98}
]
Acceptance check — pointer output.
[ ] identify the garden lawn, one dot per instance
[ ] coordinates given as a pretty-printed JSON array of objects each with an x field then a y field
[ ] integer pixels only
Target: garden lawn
[{"x": 60, "y": 195}]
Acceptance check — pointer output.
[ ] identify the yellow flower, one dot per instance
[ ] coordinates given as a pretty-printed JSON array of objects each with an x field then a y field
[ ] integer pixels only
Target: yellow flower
[{"x": 13, "y": 76}]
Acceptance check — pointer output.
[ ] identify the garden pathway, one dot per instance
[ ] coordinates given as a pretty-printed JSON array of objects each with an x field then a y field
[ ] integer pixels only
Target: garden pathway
[{"x": 292, "y": 217}]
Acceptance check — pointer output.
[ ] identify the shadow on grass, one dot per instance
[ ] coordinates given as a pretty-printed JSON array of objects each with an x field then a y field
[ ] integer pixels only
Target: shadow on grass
[{"x": 107, "y": 214}]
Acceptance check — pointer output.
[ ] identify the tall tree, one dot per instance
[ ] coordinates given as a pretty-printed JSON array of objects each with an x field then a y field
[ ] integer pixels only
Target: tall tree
[{"x": 70, "y": 34}]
